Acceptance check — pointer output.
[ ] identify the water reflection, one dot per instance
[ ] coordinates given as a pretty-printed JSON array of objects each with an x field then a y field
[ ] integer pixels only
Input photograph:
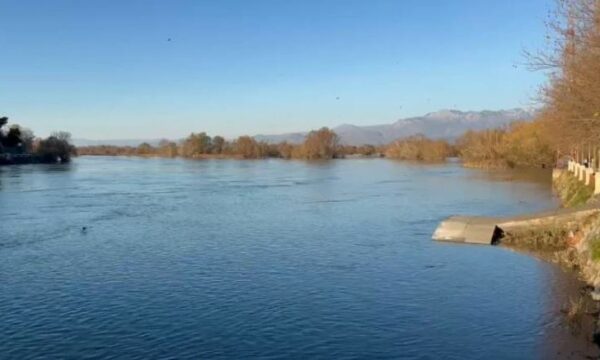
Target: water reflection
[
  {"x": 538, "y": 176},
  {"x": 566, "y": 340}
]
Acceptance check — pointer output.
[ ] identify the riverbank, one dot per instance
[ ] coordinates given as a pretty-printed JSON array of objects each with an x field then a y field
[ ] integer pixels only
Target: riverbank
[{"x": 573, "y": 245}]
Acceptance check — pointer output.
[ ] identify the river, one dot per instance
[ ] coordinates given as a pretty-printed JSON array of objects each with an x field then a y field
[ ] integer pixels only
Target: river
[{"x": 269, "y": 259}]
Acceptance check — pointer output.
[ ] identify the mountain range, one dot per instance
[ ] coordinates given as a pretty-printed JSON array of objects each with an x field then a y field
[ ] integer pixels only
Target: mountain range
[{"x": 443, "y": 124}]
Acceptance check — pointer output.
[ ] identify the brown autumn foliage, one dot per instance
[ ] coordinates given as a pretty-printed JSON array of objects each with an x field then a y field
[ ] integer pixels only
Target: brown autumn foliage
[
  {"x": 168, "y": 148},
  {"x": 526, "y": 144},
  {"x": 319, "y": 144},
  {"x": 482, "y": 148},
  {"x": 522, "y": 144},
  {"x": 572, "y": 94},
  {"x": 569, "y": 120},
  {"x": 107, "y": 150},
  {"x": 361, "y": 151},
  {"x": 248, "y": 148},
  {"x": 196, "y": 145},
  {"x": 285, "y": 150},
  {"x": 419, "y": 148}
]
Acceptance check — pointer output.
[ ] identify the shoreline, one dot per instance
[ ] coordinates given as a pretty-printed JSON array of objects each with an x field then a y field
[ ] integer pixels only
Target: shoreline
[
  {"x": 574, "y": 246},
  {"x": 567, "y": 236},
  {"x": 235, "y": 157}
]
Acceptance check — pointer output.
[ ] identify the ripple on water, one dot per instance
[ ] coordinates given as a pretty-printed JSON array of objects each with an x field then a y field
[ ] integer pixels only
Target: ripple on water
[{"x": 273, "y": 259}]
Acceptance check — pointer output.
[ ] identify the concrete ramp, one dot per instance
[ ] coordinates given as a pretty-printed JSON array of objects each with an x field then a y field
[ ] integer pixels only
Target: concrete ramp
[
  {"x": 468, "y": 229},
  {"x": 487, "y": 230}
]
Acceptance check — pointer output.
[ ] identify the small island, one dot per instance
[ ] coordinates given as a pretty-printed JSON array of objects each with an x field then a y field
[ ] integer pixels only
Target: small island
[{"x": 19, "y": 145}]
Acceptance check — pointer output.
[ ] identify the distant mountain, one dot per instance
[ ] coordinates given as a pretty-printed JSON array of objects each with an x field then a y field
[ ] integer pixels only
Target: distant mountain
[
  {"x": 293, "y": 138},
  {"x": 444, "y": 124}
]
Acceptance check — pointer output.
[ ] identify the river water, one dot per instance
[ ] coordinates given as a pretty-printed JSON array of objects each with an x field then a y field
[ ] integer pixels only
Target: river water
[{"x": 269, "y": 259}]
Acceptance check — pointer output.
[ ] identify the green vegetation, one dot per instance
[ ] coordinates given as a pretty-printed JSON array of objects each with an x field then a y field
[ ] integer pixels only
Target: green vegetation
[
  {"x": 571, "y": 191},
  {"x": 595, "y": 248},
  {"x": 18, "y": 145}
]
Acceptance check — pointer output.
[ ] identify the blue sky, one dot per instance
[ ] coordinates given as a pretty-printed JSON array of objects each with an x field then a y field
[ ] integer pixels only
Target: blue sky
[{"x": 107, "y": 69}]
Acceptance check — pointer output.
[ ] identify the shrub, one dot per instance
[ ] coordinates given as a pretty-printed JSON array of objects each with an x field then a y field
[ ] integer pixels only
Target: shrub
[
  {"x": 56, "y": 148},
  {"x": 419, "y": 148}
]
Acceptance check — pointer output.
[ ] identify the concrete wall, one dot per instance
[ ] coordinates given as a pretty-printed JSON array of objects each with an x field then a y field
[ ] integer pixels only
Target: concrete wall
[
  {"x": 586, "y": 175},
  {"x": 589, "y": 176}
]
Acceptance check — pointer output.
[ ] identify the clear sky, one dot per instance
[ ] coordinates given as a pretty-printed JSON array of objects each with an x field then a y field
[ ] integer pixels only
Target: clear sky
[{"x": 111, "y": 69}]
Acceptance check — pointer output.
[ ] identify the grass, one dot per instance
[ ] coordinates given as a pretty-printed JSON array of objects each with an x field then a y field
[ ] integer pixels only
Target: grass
[
  {"x": 551, "y": 238},
  {"x": 581, "y": 196},
  {"x": 572, "y": 191},
  {"x": 595, "y": 248}
]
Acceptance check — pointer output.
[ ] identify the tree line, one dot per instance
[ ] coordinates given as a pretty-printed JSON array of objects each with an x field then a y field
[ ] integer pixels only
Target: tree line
[
  {"x": 519, "y": 144},
  {"x": 20, "y": 145},
  {"x": 319, "y": 144}
]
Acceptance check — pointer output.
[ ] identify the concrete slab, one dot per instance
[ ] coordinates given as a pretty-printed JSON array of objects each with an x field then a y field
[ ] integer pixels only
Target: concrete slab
[
  {"x": 486, "y": 230},
  {"x": 451, "y": 229},
  {"x": 483, "y": 233},
  {"x": 467, "y": 229}
]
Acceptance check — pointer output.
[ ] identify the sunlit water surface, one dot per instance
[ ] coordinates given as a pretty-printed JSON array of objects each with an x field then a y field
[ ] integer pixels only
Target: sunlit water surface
[{"x": 268, "y": 259}]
